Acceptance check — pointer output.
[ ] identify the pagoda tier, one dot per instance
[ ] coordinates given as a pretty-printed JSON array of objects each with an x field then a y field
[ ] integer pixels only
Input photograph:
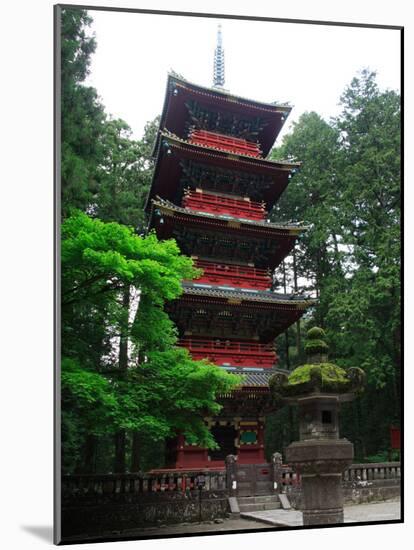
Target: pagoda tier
[
  {"x": 184, "y": 165},
  {"x": 223, "y": 237},
  {"x": 225, "y": 143},
  {"x": 233, "y": 275},
  {"x": 238, "y": 431},
  {"x": 231, "y": 353},
  {"x": 244, "y": 438},
  {"x": 219, "y": 204},
  {"x": 188, "y": 106},
  {"x": 220, "y": 312}
]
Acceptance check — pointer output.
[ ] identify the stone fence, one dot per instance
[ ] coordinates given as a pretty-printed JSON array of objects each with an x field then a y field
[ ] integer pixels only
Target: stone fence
[
  {"x": 360, "y": 483},
  {"x": 372, "y": 482},
  {"x": 123, "y": 501},
  {"x": 372, "y": 472},
  {"x": 93, "y": 503},
  {"x": 82, "y": 485}
]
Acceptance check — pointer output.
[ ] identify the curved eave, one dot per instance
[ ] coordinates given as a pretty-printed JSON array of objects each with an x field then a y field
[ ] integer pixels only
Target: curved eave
[
  {"x": 265, "y": 317},
  {"x": 170, "y": 210},
  {"x": 237, "y": 157},
  {"x": 238, "y": 297},
  {"x": 173, "y": 111},
  {"x": 223, "y": 94},
  {"x": 258, "y": 379}
]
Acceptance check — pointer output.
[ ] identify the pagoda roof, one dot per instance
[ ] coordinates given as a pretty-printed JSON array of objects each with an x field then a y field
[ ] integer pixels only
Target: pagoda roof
[
  {"x": 168, "y": 209},
  {"x": 176, "y": 118},
  {"x": 223, "y": 313},
  {"x": 173, "y": 151},
  {"x": 256, "y": 378},
  {"x": 222, "y": 237},
  {"x": 247, "y": 295}
]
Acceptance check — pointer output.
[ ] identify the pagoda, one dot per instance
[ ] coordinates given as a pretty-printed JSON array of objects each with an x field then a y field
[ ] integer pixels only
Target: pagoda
[{"x": 212, "y": 191}]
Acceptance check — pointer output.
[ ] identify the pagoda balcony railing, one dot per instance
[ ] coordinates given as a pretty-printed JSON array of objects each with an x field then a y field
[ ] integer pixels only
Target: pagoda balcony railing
[
  {"x": 221, "y": 352},
  {"x": 216, "y": 204},
  {"x": 226, "y": 143},
  {"x": 234, "y": 275}
]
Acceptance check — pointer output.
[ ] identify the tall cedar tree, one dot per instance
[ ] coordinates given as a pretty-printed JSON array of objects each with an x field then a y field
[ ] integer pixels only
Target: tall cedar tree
[
  {"x": 83, "y": 115},
  {"x": 348, "y": 193}
]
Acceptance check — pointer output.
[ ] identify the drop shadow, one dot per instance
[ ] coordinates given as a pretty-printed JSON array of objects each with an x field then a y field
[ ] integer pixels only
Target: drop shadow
[{"x": 43, "y": 532}]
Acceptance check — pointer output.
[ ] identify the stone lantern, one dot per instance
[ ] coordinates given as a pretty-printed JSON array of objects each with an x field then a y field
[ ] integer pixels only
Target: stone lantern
[{"x": 320, "y": 456}]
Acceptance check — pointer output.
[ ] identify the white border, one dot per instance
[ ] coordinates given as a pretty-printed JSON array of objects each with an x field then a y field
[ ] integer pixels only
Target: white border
[{"x": 27, "y": 277}]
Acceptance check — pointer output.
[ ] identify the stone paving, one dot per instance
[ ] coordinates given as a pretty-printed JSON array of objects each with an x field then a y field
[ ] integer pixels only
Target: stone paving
[
  {"x": 356, "y": 513},
  {"x": 226, "y": 525}
]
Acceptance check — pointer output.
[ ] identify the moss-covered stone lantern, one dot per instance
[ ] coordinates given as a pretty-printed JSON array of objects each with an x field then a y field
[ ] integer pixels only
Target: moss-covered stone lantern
[{"x": 320, "y": 456}]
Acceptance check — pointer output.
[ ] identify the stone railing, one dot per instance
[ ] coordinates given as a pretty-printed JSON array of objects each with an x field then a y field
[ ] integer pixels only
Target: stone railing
[
  {"x": 372, "y": 472},
  {"x": 355, "y": 474},
  {"x": 96, "y": 503},
  {"x": 360, "y": 482},
  {"x": 181, "y": 481},
  {"x": 289, "y": 477},
  {"x": 178, "y": 481}
]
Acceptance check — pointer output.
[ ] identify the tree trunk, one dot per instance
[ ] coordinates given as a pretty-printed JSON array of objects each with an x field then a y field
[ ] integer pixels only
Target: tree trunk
[
  {"x": 295, "y": 284},
  {"x": 87, "y": 466},
  {"x": 120, "y": 450},
  {"x": 135, "y": 452},
  {"x": 123, "y": 340},
  {"x": 337, "y": 255},
  {"x": 286, "y": 332},
  {"x": 120, "y": 437},
  {"x": 397, "y": 373}
]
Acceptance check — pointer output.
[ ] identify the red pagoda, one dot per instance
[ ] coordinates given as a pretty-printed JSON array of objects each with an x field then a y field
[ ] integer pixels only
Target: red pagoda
[{"x": 212, "y": 191}]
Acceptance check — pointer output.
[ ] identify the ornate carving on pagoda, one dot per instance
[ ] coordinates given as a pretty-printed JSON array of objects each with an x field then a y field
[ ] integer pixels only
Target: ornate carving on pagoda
[
  {"x": 231, "y": 124},
  {"x": 207, "y": 313},
  {"x": 212, "y": 178},
  {"x": 249, "y": 402},
  {"x": 219, "y": 246}
]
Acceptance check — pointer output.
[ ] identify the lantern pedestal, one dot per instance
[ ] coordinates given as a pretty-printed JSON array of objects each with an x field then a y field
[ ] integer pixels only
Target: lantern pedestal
[{"x": 321, "y": 464}]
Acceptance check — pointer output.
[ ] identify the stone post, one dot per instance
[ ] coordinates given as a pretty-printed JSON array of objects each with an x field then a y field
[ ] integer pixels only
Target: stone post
[
  {"x": 231, "y": 477},
  {"x": 321, "y": 464},
  {"x": 277, "y": 473}
]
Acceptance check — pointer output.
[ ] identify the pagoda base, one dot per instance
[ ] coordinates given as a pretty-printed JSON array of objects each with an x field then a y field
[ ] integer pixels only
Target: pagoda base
[{"x": 242, "y": 438}]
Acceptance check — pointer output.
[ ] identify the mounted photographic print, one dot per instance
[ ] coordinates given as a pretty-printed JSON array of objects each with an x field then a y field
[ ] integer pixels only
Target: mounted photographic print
[{"x": 228, "y": 343}]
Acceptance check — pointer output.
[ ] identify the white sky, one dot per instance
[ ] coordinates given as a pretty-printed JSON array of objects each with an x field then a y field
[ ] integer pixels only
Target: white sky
[{"x": 307, "y": 65}]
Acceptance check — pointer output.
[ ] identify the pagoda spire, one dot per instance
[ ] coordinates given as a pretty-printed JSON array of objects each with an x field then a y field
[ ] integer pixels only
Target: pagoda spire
[{"x": 218, "y": 78}]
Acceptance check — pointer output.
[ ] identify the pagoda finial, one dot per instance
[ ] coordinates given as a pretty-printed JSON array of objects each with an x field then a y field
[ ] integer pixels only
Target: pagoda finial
[{"x": 218, "y": 78}]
